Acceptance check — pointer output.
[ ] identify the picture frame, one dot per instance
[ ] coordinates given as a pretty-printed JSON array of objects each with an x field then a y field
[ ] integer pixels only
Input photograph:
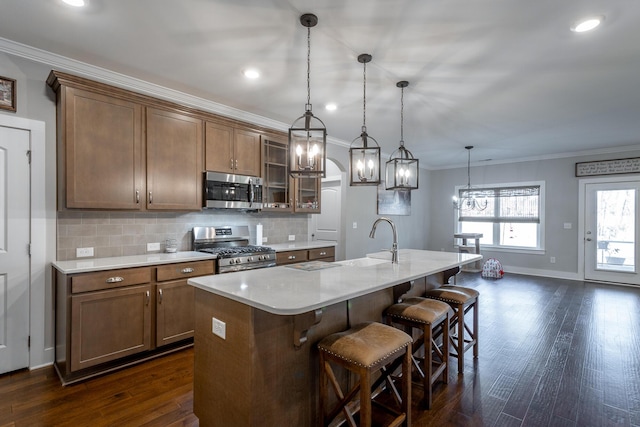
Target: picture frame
[
  {"x": 393, "y": 202},
  {"x": 7, "y": 94}
]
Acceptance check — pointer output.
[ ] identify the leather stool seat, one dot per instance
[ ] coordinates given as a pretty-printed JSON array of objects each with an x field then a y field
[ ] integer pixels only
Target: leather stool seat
[
  {"x": 462, "y": 300},
  {"x": 364, "y": 350},
  {"x": 431, "y": 317}
]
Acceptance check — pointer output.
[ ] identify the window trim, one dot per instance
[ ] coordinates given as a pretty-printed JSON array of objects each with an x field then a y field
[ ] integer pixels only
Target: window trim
[{"x": 496, "y": 225}]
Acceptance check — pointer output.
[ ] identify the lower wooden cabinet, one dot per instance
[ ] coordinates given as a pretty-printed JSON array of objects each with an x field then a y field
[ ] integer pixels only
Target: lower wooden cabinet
[
  {"x": 301, "y": 255},
  {"x": 109, "y": 325},
  {"x": 109, "y": 319}
]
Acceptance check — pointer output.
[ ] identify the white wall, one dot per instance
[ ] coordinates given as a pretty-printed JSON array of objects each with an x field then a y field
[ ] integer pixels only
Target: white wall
[{"x": 561, "y": 207}]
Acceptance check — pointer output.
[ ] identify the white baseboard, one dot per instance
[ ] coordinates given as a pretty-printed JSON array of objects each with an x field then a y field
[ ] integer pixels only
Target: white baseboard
[{"x": 555, "y": 274}]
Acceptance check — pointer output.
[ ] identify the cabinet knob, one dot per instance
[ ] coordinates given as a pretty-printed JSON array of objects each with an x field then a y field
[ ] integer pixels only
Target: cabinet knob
[
  {"x": 116, "y": 279},
  {"x": 187, "y": 270}
]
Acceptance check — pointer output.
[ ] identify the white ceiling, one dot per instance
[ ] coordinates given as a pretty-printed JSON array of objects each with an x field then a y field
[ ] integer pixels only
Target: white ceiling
[{"x": 507, "y": 76}]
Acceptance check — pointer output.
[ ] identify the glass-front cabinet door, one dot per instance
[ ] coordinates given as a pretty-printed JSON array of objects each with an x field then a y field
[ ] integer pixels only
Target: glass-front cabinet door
[
  {"x": 307, "y": 194},
  {"x": 276, "y": 185}
]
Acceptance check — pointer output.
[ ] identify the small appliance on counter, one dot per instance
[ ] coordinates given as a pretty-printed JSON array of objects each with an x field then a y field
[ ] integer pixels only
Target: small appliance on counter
[{"x": 231, "y": 245}]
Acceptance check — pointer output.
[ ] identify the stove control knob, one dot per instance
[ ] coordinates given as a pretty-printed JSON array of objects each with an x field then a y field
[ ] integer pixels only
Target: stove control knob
[
  {"x": 250, "y": 259},
  {"x": 237, "y": 261}
]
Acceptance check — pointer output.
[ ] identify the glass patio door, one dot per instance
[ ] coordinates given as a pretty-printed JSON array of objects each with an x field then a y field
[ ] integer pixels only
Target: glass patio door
[{"x": 612, "y": 232}]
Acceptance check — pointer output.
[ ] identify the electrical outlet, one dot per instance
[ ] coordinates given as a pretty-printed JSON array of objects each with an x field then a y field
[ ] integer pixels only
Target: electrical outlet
[
  {"x": 84, "y": 252},
  {"x": 292, "y": 237},
  {"x": 355, "y": 224},
  {"x": 219, "y": 328},
  {"x": 153, "y": 247},
  {"x": 567, "y": 226},
  {"x": 264, "y": 239},
  {"x": 552, "y": 260}
]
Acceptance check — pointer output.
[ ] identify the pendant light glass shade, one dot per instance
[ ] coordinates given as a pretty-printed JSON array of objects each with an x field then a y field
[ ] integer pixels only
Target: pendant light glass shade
[
  {"x": 402, "y": 167},
  {"x": 364, "y": 153},
  {"x": 308, "y": 134}
]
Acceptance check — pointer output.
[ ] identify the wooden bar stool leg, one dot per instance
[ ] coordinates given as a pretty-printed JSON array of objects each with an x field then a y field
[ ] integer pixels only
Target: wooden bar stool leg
[
  {"x": 428, "y": 365},
  {"x": 460, "y": 327},
  {"x": 445, "y": 349},
  {"x": 475, "y": 329}
]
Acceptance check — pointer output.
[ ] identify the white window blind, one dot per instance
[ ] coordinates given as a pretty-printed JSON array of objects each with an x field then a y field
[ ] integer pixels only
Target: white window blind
[{"x": 504, "y": 204}]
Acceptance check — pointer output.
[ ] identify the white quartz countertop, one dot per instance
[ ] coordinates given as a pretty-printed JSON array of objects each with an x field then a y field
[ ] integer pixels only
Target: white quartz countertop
[
  {"x": 294, "y": 246},
  {"x": 290, "y": 290},
  {"x": 112, "y": 263}
]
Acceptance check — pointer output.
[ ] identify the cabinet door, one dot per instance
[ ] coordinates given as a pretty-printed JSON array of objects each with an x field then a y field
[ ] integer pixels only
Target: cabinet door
[
  {"x": 306, "y": 194},
  {"x": 175, "y": 312},
  {"x": 247, "y": 157},
  {"x": 102, "y": 146},
  {"x": 174, "y": 161},
  {"x": 219, "y": 148},
  {"x": 108, "y": 325},
  {"x": 275, "y": 190},
  {"x": 323, "y": 254}
]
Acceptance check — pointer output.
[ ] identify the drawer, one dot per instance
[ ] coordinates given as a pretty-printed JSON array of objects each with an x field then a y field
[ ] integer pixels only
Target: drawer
[
  {"x": 110, "y": 279},
  {"x": 328, "y": 252},
  {"x": 291, "y": 257},
  {"x": 184, "y": 270}
]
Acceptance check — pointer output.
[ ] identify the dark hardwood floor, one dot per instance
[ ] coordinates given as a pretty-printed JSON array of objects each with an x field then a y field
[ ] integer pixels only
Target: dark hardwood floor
[{"x": 552, "y": 353}]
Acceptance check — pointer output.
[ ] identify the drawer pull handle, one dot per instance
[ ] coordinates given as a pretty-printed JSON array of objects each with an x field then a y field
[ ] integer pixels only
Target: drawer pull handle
[
  {"x": 116, "y": 279},
  {"x": 292, "y": 257},
  {"x": 322, "y": 253},
  {"x": 187, "y": 270},
  {"x": 160, "y": 295}
]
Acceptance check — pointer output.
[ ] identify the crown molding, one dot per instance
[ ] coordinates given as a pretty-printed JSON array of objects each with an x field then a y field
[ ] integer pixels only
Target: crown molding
[{"x": 133, "y": 84}]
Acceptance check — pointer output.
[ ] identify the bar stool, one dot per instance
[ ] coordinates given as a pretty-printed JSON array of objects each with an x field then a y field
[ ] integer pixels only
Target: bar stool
[
  {"x": 364, "y": 350},
  {"x": 431, "y": 317},
  {"x": 461, "y": 300}
]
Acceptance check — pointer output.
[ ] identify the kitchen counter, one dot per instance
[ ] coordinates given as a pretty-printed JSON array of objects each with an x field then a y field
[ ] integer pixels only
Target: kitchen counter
[
  {"x": 290, "y": 290},
  {"x": 294, "y": 246},
  {"x": 113, "y": 263}
]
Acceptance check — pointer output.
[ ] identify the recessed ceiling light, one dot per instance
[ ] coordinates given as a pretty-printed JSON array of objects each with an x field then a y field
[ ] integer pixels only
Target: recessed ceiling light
[
  {"x": 251, "y": 73},
  {"x": 587, "y": 24},
  {"x": 331, "y": 107},
  {"x": 76, "y": 3}
]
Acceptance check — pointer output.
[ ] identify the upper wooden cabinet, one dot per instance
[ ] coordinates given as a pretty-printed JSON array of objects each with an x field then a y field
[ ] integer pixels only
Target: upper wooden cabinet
[
  {"x": 99, "y": 151},
  {"x": 174, "y": 161},
  {"x": 229, "y": 149},
  {"x": 117, "y": 150}
]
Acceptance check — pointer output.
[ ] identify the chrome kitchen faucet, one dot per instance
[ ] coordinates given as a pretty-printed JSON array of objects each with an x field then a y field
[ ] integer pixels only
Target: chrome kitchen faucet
[{"x": 394, "y": 248}]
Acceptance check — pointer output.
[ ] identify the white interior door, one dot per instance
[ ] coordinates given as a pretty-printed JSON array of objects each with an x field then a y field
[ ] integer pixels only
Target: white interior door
[
  {"x": 14, "y": 248},
  {"x": 326, "y": 225},
  {"x": 612, "y": 232}
]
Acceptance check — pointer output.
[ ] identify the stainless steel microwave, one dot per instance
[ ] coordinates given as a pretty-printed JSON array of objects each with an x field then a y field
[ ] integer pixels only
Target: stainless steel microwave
[{"x": 228, "y": 191}]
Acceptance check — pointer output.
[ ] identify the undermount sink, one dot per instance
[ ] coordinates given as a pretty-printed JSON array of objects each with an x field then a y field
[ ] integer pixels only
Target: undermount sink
[{"x": 364, "y": 262}]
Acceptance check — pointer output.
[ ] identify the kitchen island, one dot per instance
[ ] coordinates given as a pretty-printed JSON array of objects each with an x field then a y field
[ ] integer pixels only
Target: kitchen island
[{"x": 256, "y": 331}]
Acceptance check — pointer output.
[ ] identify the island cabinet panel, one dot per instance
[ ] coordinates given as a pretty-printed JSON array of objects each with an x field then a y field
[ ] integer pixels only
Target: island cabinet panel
[
  {"x": 174, "y": 161},
  {"x": 100, "y": 151},
  {"x": 266, "y": 380},
  {"x": 108, "y": 325},
  {"x": 230, "y": 149},
  {"x": 323, "y": 254}
]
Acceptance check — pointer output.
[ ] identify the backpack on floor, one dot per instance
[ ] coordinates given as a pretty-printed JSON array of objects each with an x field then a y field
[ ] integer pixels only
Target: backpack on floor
[{"x": 492, "y": 269}]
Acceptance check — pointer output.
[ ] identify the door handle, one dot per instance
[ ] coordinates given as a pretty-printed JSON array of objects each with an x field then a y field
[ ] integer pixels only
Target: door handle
[{"x": 588, "y": 239}]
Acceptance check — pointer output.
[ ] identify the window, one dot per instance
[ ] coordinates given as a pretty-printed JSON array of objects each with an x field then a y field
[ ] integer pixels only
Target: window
[{"x": 513, "y": 217}]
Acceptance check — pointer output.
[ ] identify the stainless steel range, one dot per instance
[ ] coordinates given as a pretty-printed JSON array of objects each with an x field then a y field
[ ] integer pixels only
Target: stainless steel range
[{"x": 231, "y": 245}]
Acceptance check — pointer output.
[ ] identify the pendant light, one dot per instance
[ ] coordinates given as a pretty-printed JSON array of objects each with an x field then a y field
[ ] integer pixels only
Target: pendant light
[
  {"x": 364, "y": 158},
  {"x": 402, "y": 170},
  {"x": 471, "y": 199},
  {"x": 308, "y": 134}
]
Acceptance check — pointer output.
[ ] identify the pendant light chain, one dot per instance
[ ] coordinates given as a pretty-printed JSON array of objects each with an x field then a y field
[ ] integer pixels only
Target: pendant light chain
[
  {"x": 402, "y": 116},
  {"x": 308, "y": 68},
  {"x": 364, "y": 97}
]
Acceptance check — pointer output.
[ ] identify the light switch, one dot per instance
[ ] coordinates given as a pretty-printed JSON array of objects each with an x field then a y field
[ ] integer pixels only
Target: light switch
[{"x": 567, "y": 226}]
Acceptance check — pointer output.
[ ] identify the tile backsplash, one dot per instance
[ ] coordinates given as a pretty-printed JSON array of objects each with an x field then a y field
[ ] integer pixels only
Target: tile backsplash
[{"x": 127, "y": 233}]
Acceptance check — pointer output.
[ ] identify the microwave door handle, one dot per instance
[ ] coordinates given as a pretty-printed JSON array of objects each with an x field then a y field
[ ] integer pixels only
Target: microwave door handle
[{"x": 250, "y": 192}]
